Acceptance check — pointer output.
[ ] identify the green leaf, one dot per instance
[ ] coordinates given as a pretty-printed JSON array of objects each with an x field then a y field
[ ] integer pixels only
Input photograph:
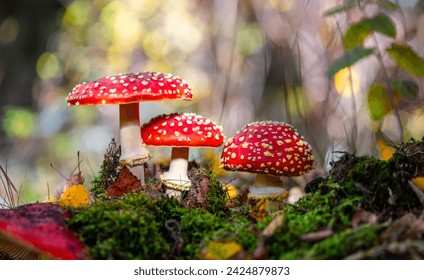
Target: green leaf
[
  {"x": 407, "y": 59},
  {"x": 342, "y": 8},
  {"x": 348, "y": 59},
  {"x": 388, "y": 5},
  {"x": 356, "y": 34},
  {"x": 382, "y": 4},
  {"x": 359, "y": 31},
  {"x": 381, "y": 23},
  {"x": 405, "y": 87},
  {"x": 378, "y": 101}
]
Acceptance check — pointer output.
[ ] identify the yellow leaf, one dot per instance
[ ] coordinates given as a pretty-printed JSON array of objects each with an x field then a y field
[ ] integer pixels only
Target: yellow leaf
[
  {"x": 220, "y": 250},
  {"x": 346, "y": 81},
  {"x": 260, "y": 210},
  {"x": 231, "y": 190},
  {"x": 419, "y": 182},
  {"x": 75, "y": 196},
  {"x": 386, "y": 152}
]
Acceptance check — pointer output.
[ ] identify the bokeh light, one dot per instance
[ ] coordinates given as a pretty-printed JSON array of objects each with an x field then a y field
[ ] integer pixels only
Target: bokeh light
[
  {"x": 347, "y": 82},
  {"x": 19, "y": 122},
  {"x": 245, "y": 61},
  {"x": 9, "y": 30}
]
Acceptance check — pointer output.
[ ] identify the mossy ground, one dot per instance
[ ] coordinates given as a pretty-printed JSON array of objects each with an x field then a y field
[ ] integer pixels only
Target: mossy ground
[{"x": 365, "y": 208}]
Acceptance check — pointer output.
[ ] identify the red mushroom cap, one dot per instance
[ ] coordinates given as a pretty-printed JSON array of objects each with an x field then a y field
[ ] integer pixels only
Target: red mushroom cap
[
  {"x": 38, "y": 228},
  {"x": 130, "y": 88},
  {"x": 268, "y": 147},
  {"x": 182, "y": 130}
]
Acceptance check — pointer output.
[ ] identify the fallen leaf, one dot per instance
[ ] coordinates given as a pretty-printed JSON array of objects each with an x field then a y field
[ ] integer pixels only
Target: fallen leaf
[
  {"x": 220, "y": 250},
  {"x": 75, "y": 196},
  {"x": 363, "y": 217},
  {"x": 272, "y": 226},
  {"x": 317, "y": 235},
  {"x": 125, "y": 183}
]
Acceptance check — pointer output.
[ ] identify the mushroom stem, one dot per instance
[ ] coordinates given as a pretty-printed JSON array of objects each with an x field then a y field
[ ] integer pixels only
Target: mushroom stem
[
  {"x": 133, "y": 152},
  {"x": 266, "y": 186},
  {"x": 267, "y": 189},
  {"x": 176, "y": 178}
]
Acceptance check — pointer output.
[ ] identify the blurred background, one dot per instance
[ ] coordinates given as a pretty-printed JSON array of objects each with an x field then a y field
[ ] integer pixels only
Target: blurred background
[{"x": 246, "y": 60}]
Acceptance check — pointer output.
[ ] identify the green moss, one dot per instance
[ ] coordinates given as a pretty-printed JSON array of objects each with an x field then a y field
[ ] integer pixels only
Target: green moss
[
  {"x": 409, "y": 157},
  {"x": 131, "y": 228},
  {"x": 199, "y": 227},
  {"x": 383, "y": 186},
  {"x": 136, "y": 226},
  {"x": 217, "y": 197},
  {"x": 338, "y": 246},
  {"x": 354, "y": 182},
  {"x": 325, "y": 208},
  {"x": 141, "y": 227}
]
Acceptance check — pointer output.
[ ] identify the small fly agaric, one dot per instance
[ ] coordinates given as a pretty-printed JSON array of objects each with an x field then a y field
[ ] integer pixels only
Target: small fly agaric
[
  {"x": 128, "y": 90},
  {"x": 37, "y": 231},
  {"x": 180, "y": 131},
  {"x": 268, "y": 148}
]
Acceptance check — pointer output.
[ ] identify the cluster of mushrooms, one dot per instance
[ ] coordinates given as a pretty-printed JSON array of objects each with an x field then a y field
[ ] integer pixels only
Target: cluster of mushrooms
[{"x": 268, "y": 148}]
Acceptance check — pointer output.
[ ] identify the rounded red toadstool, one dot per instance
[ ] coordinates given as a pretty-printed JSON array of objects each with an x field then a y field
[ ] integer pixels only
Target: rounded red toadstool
[
  {"x": 268, "y": 148},
  {"x": 37, "y": 231},
  {"x": 180, "y": 131},
  {"x": 128, "y": 90}
]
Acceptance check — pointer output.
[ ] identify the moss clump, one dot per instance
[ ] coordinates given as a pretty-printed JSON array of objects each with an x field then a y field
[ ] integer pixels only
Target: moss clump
[
  {"x": 125, "y": 229},
  {"x": 380, "y": 187},
  {"x": 325, "y": 208},
  {"x": 140, "y": 227},
  {"x": 338, "y": 246},
  {"x": 409, "y": 157},
  {"x": 216, "y": 197},
  {"x": 199, "y": 227},
  {"x": 384, "y": 188}
]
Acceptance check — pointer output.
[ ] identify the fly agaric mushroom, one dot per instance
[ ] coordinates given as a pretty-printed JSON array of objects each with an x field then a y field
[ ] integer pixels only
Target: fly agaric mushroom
[
  {"x": 268, "y": 148},
  {"x": 128, "y": 90},
  {"x": 36, "y": 231},
  {"x": 180, "y": 131}
]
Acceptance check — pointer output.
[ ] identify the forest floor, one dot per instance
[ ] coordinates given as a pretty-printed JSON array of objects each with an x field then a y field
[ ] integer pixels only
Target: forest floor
[{"x": 365, "y": 208}]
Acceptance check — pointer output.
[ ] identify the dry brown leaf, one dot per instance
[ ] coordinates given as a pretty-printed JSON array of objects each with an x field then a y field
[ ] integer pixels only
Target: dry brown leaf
[{"x": 363, "y": 217}]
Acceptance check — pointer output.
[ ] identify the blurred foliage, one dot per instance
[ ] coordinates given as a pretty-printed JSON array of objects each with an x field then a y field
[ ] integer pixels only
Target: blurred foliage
[
  {"x": 358, "y": 32},
  {"x": 378, "y": 102},
  {"x": 18, "y": 122},
  {"x": 407, "y": 59},
  {"x": 349, "y": 58},
  {"x": 309, "y": 63}
]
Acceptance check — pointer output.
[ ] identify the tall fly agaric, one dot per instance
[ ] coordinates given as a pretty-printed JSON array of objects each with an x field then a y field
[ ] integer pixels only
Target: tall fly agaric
[
  {"x": 128, "y": 90},
  {"x": 268, "y": 148},
  {"x": 37, "y": 231},
  {"x": 180, "y": 131}
]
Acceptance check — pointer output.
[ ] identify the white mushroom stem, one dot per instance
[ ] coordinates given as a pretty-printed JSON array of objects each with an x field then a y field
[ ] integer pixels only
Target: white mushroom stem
[
  {"x": 266, "y": 186},
  {"x": 133, "y": 152},
  {"x": 176, "y": 178}
]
